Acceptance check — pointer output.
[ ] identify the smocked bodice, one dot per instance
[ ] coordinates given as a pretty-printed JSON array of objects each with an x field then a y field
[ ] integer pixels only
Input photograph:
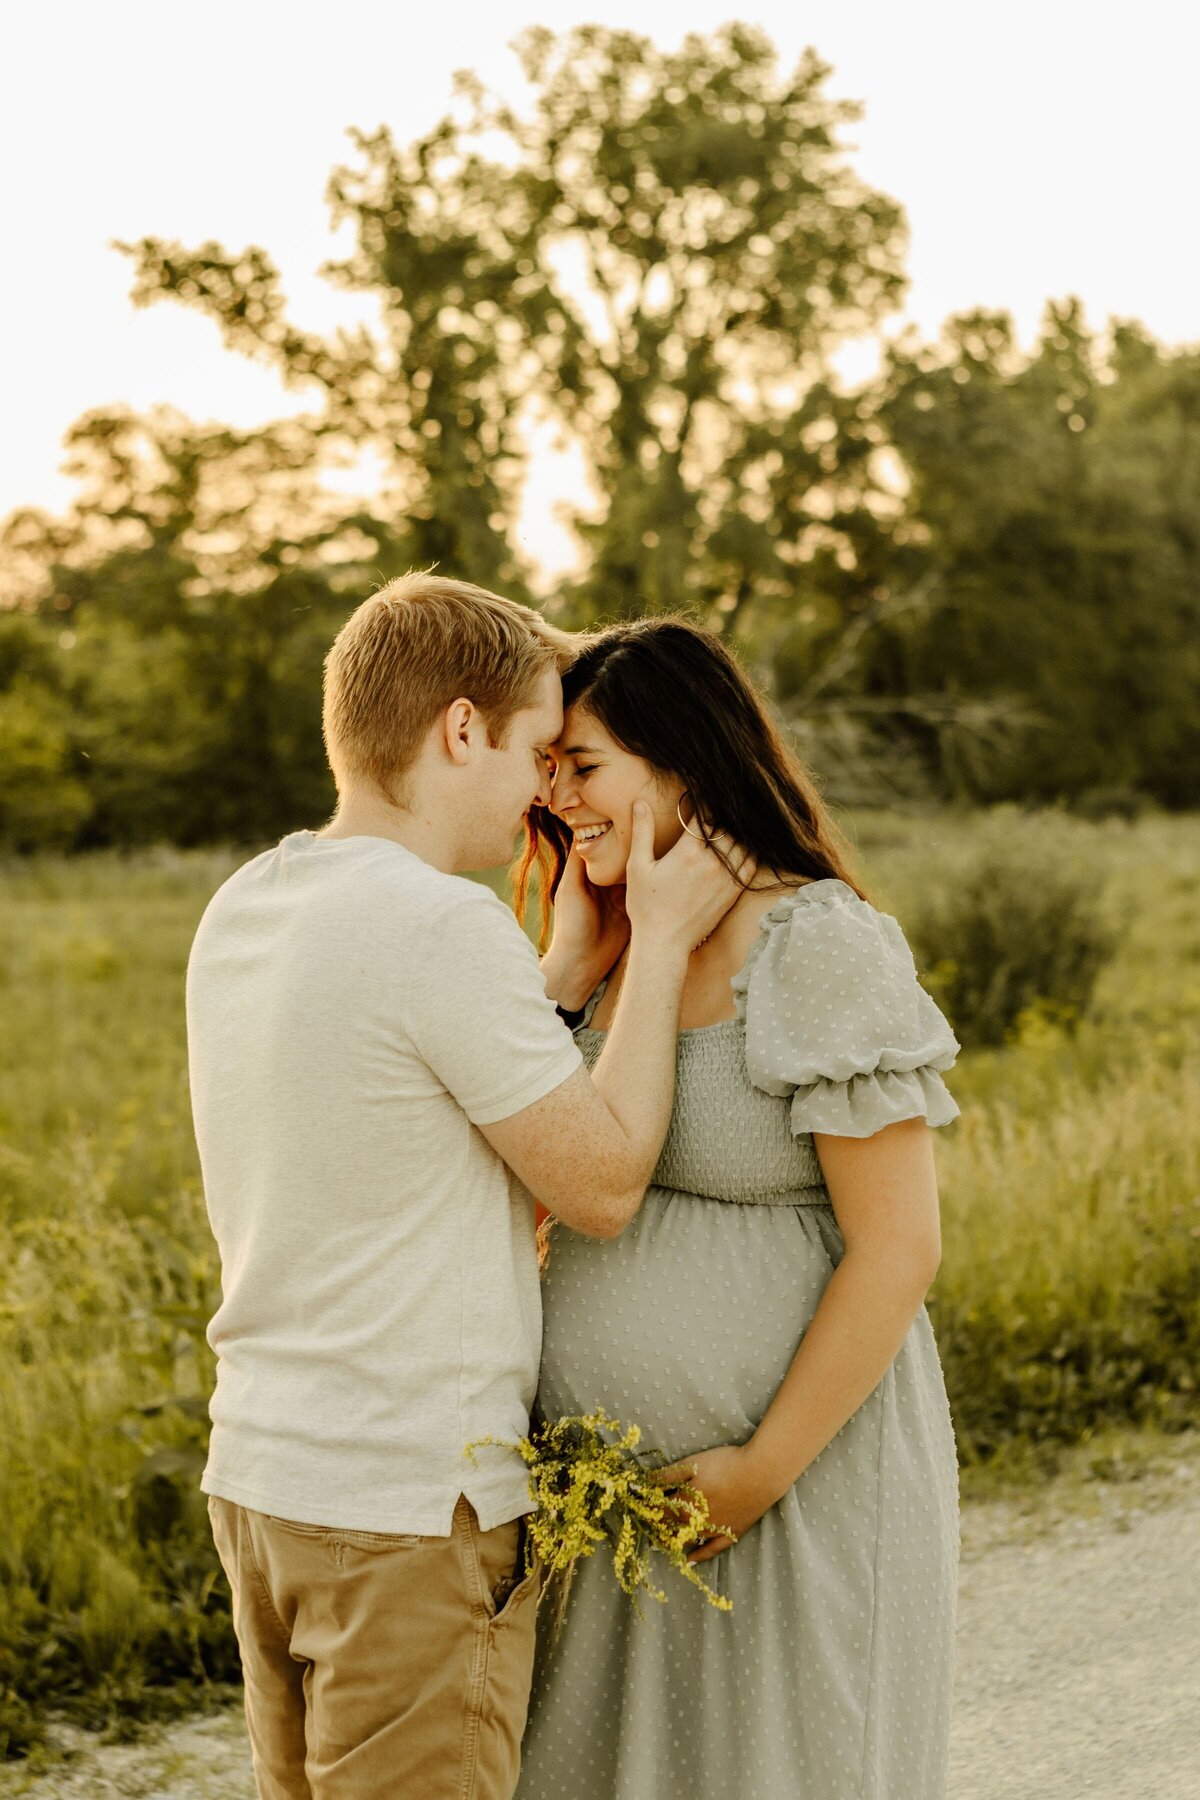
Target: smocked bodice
[
  {"x": 727, "y": 1140},
  {"x": 833, "y": 1033}
]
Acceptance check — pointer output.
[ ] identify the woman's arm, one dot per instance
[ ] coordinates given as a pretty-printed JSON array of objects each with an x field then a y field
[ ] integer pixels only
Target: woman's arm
[
  {"x": 884, "y": 1194},
  {"x": 591, "y": 929}
]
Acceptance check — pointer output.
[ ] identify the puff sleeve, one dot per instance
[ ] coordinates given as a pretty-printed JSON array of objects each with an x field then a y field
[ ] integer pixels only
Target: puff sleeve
[{"x": 837, "y": 1021}]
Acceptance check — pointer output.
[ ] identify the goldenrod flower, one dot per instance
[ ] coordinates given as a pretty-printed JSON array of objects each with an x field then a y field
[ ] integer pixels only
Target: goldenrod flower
[{"x": 588, "y": 1491}]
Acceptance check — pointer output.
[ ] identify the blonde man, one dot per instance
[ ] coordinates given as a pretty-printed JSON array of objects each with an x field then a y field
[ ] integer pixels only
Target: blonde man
[{"x": 373, "y": 1048}]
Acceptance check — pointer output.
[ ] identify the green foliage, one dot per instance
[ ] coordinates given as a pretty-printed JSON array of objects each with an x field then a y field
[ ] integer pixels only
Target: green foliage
[
  {"x": 1066, "y": 1297},
  {"x": 111, "y": 1602},
  {"x": 165, "y": 683},
  {"x": 976, "y": 577},
  {"x": 43, "y": 803},
  {"x": 1015, "y": 931},
  {"x": 1071, "y": 1254},
  {"x": 691, "y": 219},
  {"x": 1054, "y": 498},
  {"x": 657, "y": 253},
  {"x": 1065, "y": 1300}
]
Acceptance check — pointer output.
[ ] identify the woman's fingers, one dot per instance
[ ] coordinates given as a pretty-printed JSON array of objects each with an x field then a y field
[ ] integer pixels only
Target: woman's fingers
[
  {"x": 641, "y": 835},
  {"x": 676, "y": 1480},
  {"x": 737, "y": 858},
  {"x": 674, "y": 1475},
  {"x": 712, "y": 1547}
]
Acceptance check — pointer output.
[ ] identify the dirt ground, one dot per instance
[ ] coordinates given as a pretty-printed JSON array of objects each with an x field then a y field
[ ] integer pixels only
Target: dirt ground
[{"x": 1078, "y": 1661}]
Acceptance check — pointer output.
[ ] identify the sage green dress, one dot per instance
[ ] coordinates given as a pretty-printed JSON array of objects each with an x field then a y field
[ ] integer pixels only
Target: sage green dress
[{"x": 831, "y": 1678}]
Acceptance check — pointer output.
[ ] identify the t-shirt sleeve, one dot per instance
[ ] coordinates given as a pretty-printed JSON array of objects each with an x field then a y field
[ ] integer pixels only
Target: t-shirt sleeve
[{"x": 476, "y": 1010}]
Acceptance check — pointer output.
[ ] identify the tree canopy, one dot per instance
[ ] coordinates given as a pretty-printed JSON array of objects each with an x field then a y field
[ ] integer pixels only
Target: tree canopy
[{"x": 975, "y": 575}]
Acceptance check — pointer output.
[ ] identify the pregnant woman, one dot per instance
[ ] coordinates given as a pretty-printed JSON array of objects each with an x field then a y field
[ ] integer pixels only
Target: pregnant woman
[{"x": 762, "y": 1318}]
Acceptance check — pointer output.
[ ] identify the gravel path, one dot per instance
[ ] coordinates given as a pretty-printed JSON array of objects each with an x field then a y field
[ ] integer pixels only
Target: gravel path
[{"x": 1078, "y": 1663}]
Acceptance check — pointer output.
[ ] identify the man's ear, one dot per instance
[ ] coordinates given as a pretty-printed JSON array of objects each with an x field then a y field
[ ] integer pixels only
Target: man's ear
[{"x": 459, "y": 720}]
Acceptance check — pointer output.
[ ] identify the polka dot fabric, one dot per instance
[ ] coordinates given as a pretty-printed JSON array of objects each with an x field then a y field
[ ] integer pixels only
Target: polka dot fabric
[
  {"x": 837, "y": 1020},
  {"x": 831, "y": 1678}
]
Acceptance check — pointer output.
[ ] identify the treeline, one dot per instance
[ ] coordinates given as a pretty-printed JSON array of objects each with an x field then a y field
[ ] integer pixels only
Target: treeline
[{"x": 975, "y": 577}]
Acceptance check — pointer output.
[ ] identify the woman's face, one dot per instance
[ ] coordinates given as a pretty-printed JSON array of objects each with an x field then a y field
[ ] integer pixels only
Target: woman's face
[{"x": 595, "y": 785}]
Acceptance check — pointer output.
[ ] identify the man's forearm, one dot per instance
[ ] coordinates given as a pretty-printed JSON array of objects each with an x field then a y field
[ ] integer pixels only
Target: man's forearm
[{"x": 635, "y": 1074}]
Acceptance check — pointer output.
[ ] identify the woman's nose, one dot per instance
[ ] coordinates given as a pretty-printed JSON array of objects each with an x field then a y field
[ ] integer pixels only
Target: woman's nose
[{"x": 562, "y": 796}]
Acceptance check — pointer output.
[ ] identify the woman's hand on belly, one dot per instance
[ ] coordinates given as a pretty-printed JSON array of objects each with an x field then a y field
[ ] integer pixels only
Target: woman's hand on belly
[{"x": 732, "y": 1485}]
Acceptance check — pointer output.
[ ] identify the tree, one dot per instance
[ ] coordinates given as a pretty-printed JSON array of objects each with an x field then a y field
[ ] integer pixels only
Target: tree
[
  {"x": 978, "y": 573},
  {"x": 43, "y": 802},
  {"x": 1055, "y": 498},
  {"x": 177, "y": 619},
  {"x": 658, "y": 254}
]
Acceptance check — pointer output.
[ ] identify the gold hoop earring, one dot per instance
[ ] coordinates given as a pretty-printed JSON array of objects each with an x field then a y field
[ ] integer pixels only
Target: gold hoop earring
[{"x": 679, "y": 815}]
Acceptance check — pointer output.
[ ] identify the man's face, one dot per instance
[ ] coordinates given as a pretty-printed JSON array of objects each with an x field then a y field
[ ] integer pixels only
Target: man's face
[{"x": 518, "y": 771}]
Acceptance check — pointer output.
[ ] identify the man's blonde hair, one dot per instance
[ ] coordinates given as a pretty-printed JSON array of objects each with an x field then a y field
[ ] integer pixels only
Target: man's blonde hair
[{"x": 421, "y": 642}]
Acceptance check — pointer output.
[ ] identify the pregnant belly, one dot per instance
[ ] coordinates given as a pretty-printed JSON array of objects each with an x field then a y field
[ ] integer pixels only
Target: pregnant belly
[{"x": 687, "y": 1323}]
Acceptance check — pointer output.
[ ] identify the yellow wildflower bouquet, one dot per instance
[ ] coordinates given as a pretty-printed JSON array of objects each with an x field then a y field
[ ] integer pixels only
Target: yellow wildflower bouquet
[{"x": 590, "y": 1490}]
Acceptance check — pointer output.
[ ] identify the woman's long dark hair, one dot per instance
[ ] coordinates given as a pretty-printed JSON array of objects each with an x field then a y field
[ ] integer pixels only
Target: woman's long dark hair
[{"x": 670, "y": 692}]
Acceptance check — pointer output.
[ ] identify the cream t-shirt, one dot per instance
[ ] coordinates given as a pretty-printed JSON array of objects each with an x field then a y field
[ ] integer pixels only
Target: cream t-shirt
[{"x": 353, "y": 1015}]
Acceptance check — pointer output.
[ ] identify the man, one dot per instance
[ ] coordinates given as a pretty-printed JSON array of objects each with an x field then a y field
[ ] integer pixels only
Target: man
[{"x": 371, "y": 1043}]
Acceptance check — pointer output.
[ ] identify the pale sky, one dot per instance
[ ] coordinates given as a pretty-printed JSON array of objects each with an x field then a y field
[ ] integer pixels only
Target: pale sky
[{"x": 1039, "y": 149}]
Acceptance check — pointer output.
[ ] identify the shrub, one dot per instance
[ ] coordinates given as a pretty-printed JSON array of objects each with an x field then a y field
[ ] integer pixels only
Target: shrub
[
  {"x": 1113, "y": 802},
  {"x": 1015, "y": 927},
  {"x": 1066, "y": 1296}
]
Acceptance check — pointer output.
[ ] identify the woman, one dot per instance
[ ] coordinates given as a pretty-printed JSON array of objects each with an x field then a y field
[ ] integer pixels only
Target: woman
[{"x": 762, "y": 1318}]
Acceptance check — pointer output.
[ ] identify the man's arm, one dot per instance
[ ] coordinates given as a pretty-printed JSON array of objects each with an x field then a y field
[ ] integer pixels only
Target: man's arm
[{"x": 588, "y": 1148}]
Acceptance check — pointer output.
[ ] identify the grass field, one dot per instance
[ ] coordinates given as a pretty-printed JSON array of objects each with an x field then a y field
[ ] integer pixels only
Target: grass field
[{"x": 1066, "y": 1302}]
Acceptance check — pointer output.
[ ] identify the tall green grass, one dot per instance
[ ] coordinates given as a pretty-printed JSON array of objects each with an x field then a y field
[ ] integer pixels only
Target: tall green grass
[
  {"x": 109, "y": 1591},
  {"x": 1069, "y": 1291},
  {"x": 1066, "y": 1300}
]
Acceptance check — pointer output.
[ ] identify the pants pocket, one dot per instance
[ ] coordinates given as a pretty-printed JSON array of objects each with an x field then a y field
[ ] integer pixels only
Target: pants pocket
[
  {"x": 336, "y": 1534},
  {"x": 496, "y": 1556},
  {"x": 381, "y": 1540},
  {"x": 513, "y": 1587},
  {"x": 521, "y": 1586},
  {"x": 511, "y": 1636}
]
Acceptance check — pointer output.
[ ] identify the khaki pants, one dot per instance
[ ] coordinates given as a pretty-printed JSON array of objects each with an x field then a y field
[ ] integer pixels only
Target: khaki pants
[{"x": 379, "y": 1666}]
